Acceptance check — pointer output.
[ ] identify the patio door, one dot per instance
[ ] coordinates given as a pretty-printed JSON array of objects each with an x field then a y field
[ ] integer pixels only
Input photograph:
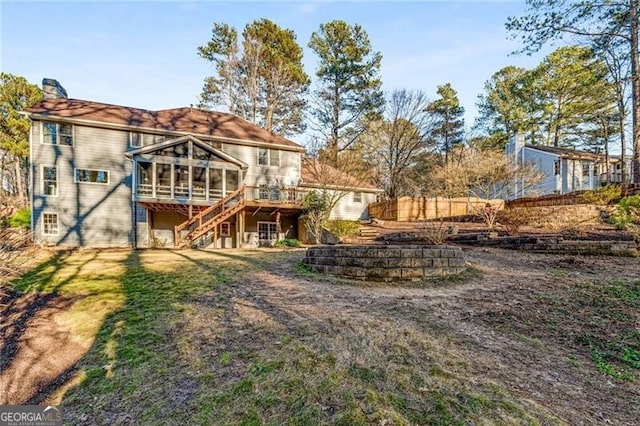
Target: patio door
[{"x": 267, "y": 233}]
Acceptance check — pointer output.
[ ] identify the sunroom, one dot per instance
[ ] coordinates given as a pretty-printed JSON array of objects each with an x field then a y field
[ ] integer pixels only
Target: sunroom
[{"x": 184, "y": 170}]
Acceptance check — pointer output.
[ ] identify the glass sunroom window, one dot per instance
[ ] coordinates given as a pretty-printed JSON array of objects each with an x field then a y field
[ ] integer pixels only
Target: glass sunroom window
[
  {"x": 181, "y": 181},
  {"x": 199, "y": 186},
  {"x": 232, "y": 180},
  {"x": 163, "y": 180},
  {"x": 144, "y": 178},
  {"x": 215, "y": 183}
]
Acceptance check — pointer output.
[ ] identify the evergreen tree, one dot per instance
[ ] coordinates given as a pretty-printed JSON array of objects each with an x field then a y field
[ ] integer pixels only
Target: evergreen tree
[
  {"x": 449, "y": 122},
  {"x": 589, "y": 21},
  {"x": 348, "y": 90},
  {"x": 263, "y": 80},
  {"x": 16, "y": 94}
]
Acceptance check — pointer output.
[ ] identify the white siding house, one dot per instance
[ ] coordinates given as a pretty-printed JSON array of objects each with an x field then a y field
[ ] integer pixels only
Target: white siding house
[
  {"x": 563, "y": 170},
  {"x": 106, "y": 175}
]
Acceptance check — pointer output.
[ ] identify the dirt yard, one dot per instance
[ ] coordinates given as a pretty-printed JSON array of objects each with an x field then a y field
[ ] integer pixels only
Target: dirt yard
[{"x": 519, "y": 339}]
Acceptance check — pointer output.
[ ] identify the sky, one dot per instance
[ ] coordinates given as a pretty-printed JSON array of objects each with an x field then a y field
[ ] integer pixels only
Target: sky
[{"x": 143, "y": 53}]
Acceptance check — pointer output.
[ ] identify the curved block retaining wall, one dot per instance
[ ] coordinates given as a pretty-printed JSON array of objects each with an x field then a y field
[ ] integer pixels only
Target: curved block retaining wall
[{"x": 392, "y": 262}]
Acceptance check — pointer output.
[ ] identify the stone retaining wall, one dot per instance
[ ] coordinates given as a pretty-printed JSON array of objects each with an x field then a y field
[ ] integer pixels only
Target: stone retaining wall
[
  {"x": 558, "y": 245},
  {"x": 387, "y": 263},
  {"x": 558, "y": 217}
]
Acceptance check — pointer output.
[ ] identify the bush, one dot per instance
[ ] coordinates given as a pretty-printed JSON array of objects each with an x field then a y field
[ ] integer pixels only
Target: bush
[
  {"x": 514, "y": 219},
  {"x": 287, "y": 242},
  {"x": 22, "y": 219},
  {"x": 435, "y": 232},
  {"x": 601, "y": 196},
  {"x": 627, "y": 212},
  {"x": 343, "y": 228}
]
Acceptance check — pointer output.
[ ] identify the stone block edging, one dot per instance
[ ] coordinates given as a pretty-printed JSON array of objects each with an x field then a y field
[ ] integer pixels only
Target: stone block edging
[{"x": 387, "y": 262}]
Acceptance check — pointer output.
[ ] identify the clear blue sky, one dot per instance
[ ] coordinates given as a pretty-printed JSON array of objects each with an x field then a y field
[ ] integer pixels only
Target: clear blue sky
[{"x": 143, "y": 54}]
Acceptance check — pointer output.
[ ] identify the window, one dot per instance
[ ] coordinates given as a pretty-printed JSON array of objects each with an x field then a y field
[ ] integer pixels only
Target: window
[
  {"x": 267, "y": 232},
  {"x": 50, "y": 181},
  {"x": 274, "y": 158},
  {"x": 586, "y": 168},
  {"x": 92, "y": 176},
  {"x": 263, "y": 156},
  {"x": 232, "y": 180},
  {"x": 357, "y": 197},
  {"x": 556, "y": 167},
  {"x": 57, "y": 133},
  {"x": 50, "y": 224},
  {"x": 268, "y": 157},
  {"x": 225, "y": 229},
  {"x": 135, "y": 139}
]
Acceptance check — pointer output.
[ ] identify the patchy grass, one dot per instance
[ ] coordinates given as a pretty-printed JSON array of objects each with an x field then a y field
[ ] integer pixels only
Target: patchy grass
[
  {"x": 589, "y": 316},
  {"x": 253, "y": 337}
]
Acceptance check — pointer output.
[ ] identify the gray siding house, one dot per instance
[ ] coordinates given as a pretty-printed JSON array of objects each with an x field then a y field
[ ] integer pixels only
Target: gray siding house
[
  {"x": 112, "y": 176},
  {"x": 563, "y": 170}
]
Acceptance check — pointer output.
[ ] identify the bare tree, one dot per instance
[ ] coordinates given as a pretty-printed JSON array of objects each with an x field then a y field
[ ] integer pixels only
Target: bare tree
[
  {"x": 485, "y": 174},
  {"x": 391, "y": 145}
]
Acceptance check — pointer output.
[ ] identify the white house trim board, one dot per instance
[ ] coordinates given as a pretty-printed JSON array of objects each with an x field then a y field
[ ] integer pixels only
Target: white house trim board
[{"x": 188, "y": 138}]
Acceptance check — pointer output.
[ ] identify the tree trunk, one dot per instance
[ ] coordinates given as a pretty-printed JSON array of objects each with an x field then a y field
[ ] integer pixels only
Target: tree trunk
[
  {"x": 19, "y": 186},
  {"x": 335, "y": 126},
  {"x": 635, "y": 89},
  {"x": 623, "y": 139}
]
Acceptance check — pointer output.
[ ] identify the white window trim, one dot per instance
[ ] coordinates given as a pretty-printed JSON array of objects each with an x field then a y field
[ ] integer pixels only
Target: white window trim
[
  {"x": 42, "y": 222},
  {"x": 258, "y": 148},
  {"x": 360, "y": 196},
  {"x": 268, "y": 223},
  {"x": 73, "y": 134},
  {"x": 42, "y": 184},
  {"x": 271, "y": 151},
  {"x": 228, "y": 233},
  {"x": 269, "y": 154},
  {"x": 75, "y": 176},
  {"x": 141, "y": 139}
]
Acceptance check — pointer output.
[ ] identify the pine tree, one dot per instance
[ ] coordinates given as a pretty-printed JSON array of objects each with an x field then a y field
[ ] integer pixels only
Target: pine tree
[
  {"x": 348, "y": 90},
  {"x": 263, "y": 80},
  {"x": 449, "y": 121}
]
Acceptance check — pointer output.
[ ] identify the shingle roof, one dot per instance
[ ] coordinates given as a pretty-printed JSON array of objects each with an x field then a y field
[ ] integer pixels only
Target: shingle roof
[
  {"x": 569, "y": 153},
  {"x": 183, "y": 120},
  {"x": 315, "y": 173}
]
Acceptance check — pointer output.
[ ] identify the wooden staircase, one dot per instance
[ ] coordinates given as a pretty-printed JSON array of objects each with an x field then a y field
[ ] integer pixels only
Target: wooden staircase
[{"x": 208, "y": 219}]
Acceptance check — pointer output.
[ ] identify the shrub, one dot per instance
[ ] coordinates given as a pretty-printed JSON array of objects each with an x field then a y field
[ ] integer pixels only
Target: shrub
[
  {"x": 627, "y": 212},
  {"x": 22, "y": 219},
  {"x": 488, "y": 213},
  {"x": 601, "y": 196},
  {"x": 435, "y": 232},
  {"x": 287, "y": 242},
  {"x": 343, "y": 228},
  {"x": 514, "y": 219}
]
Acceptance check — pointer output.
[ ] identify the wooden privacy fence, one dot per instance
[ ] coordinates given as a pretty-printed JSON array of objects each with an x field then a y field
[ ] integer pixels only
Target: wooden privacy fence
[{"x": 411, "y": 209}]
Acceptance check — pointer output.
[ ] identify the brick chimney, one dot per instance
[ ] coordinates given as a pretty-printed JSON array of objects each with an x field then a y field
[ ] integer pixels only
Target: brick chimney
[{"x": 53, "y": 89}]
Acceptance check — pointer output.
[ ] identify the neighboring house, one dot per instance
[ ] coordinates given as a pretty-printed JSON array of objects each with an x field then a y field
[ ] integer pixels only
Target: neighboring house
[
  {"x": 563, "y": 170},
  {"x": 351, "y": 195},
  {"x": 112, "y": 176}
]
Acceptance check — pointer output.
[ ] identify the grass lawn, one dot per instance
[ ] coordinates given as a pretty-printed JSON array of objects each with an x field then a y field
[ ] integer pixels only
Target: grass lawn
[{"x": 251, "y": 337}]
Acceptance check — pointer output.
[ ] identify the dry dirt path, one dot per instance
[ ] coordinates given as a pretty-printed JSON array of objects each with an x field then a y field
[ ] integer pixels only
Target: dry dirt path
[{"x": 538, "y": 370}]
